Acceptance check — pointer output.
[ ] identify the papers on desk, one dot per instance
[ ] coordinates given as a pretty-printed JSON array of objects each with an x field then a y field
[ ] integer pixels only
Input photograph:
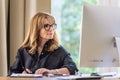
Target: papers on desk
[
  {"x": 78, "y": 77},
  {"x": 26, "y": 75},
  {"x": 60, "y": 76}
]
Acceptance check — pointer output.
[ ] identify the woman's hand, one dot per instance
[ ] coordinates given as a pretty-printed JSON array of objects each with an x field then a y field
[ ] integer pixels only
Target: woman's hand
[
  {"x": 43, "y": 71},
  {"x": 26, "y": 71}
]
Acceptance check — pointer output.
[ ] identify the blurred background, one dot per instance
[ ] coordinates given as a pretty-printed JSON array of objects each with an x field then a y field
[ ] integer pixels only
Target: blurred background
[{"x": 16, "y": 14}]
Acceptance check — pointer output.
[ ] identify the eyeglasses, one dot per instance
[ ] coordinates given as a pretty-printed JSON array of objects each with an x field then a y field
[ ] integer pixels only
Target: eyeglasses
[{"x": 48, "y": 26}]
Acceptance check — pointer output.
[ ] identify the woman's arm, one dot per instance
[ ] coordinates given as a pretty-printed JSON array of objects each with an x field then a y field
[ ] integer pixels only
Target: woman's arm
[
  {"x": 60, "y": 71},
  {"x": 53, "y": 71},
  {"x": 68, "y": 62},
  {"x": 17, "y": 66}
]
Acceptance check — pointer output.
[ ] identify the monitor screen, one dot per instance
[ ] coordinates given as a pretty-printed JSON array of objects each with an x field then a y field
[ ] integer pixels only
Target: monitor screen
[{"x": 100, "y": 26}]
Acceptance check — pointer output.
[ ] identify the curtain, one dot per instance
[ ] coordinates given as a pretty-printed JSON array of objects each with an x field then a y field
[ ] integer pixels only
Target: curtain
[
  {"x": 14, "y": 19},
  {"x": 3, "y": 38}
]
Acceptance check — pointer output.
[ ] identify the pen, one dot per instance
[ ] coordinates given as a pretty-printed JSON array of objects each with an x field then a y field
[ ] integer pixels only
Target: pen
[{"x": 28, "y": 71}]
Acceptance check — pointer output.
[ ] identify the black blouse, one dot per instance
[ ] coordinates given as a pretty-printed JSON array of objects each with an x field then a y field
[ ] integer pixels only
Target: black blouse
[{"x": 59, "y": 58}]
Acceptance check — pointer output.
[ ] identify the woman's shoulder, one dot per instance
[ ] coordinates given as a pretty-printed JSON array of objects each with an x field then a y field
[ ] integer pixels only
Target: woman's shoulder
[
  {"x": 62, "y": 50},
  {"x": 22, "y": 50}
]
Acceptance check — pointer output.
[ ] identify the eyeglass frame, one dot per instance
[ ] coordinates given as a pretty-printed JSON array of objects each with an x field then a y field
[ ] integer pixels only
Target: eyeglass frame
[{"x": 48, "y": 26}]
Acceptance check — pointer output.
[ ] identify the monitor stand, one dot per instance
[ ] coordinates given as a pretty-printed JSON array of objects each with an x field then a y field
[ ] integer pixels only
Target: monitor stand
[{"x": 117, "y": 44}]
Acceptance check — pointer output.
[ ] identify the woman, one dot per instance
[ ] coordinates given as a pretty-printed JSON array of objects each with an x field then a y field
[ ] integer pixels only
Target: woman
[{"x": 41, "y": 52}]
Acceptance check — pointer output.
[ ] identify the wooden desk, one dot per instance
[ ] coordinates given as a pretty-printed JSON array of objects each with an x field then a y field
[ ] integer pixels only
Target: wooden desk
[
  {"x": 9, "y": 78},
  {"x": 110, "y": 78},
  {"x": 46, "y": 78}
]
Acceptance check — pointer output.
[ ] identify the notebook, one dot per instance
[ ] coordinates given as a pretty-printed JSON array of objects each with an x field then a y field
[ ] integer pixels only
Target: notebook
[{"x": 26, "y": 75}]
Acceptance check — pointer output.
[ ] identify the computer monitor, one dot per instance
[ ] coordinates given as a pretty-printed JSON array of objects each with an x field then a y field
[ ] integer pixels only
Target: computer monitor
[{"x": 100, "y": 36}]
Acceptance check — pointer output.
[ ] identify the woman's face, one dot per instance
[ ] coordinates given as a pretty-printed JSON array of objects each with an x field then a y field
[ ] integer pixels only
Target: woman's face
[{"x": 47, "y": 32}]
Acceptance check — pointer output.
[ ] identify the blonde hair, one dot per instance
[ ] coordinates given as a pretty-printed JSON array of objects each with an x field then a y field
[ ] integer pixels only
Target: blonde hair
[{"x": 35, "y": 26}]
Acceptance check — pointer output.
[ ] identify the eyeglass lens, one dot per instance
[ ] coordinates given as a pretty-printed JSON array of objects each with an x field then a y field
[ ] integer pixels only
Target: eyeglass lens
[{"x": 48, "y": 26}]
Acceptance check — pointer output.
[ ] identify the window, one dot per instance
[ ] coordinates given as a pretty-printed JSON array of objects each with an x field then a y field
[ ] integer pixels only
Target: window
[{"x": 68, "y": 14}]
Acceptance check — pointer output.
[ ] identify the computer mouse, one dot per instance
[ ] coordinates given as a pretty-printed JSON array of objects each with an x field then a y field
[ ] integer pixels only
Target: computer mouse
[{"x": 94, "y": 74}]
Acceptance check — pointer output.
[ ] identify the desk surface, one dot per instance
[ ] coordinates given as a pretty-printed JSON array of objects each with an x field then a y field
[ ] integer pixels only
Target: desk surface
[
  {"x": 9, "y": 78},
  {"x": 46, "y": 78}
]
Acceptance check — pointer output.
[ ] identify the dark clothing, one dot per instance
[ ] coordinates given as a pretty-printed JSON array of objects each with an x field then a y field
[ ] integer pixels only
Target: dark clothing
[{"x": 56, "y": 59}]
